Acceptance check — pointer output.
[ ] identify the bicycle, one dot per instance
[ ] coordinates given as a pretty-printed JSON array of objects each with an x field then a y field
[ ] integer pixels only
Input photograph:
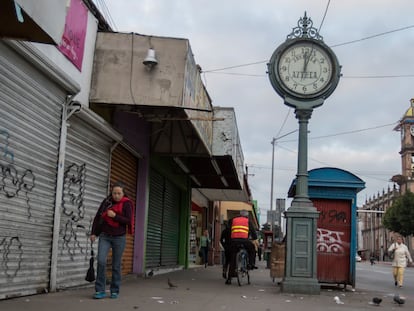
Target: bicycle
[{"x": 242, "y": 262}]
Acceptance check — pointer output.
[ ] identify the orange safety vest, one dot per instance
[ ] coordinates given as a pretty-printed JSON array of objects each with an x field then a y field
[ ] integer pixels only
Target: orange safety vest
[{"x": 240, "y": 228}]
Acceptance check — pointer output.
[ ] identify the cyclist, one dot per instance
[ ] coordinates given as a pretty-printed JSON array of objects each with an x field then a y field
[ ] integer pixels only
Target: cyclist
[{"x": 241, "y": 229}]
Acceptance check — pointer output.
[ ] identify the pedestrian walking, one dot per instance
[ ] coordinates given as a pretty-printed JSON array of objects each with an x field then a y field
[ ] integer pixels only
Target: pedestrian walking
[
  {"x": 401, "y": 255},
  {"x": 110, "y": 224},
  {"x": 260, "y": 249},
  {"x": 204, "y": 246},
  {"x": 225, "y": 240}
]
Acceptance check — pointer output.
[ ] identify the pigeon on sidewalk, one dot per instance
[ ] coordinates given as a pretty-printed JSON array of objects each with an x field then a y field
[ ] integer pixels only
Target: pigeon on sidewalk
[
  {"x": 399, "y": 300},
  {"x": 170, "y": 284},
  {"x": 150, "y": 274},
  {"x": 376, "y": 301},
  {"x": 338, "y": 301}
]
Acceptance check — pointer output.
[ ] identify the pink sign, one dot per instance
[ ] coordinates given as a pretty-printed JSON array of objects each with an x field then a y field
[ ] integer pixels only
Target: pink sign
[{"x": 73, "y": 39}]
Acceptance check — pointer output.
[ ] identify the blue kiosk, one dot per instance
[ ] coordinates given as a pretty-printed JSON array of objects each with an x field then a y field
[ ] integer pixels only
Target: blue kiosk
[{"x": 333, "y": 192}]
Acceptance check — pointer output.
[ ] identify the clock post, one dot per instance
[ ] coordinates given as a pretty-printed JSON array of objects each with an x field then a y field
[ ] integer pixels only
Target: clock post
[{"x": 304, "y": 72}]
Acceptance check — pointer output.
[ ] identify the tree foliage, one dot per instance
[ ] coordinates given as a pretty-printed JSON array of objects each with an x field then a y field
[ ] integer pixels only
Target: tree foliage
[{"x": 400, "y": 216}]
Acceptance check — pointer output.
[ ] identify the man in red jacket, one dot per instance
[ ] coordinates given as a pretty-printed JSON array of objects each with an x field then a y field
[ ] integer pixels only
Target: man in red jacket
[{"x": 241, "y": 230}]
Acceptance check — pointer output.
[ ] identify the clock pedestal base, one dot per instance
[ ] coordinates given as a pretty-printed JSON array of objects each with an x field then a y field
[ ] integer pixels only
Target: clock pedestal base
[{"x": 301, "y": 266}]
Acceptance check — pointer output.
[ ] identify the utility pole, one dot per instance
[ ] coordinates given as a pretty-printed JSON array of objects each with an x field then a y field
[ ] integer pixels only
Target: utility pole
[{"x": 273, "y": 142}]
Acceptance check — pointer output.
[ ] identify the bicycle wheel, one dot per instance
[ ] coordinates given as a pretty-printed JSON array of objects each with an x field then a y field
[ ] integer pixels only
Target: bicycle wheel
[{"x": 241, "y": 268}]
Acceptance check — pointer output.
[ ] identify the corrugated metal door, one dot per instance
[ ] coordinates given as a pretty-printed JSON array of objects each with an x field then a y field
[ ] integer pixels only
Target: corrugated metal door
[
  {"x": 30, "y": 119},
  {"x": 124, "y": 167},
  {"x": 154, "y": 228},
  {"x": 333, "y": 240},
  {"x": 163, "y": 223},
  {"x": 85, "y": 186},
  {"x": 170, "y": 226}
]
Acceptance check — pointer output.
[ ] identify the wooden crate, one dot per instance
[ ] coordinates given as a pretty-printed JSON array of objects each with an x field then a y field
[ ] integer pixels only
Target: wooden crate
[{"x": 277, "y": 260}]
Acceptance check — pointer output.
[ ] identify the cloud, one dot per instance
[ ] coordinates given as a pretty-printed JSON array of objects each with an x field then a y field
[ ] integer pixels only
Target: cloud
[{"x": 233, "y": 32}]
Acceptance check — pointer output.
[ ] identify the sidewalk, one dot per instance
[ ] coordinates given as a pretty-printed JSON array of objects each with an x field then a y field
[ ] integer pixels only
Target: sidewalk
[{"x": 198, "y": 288}]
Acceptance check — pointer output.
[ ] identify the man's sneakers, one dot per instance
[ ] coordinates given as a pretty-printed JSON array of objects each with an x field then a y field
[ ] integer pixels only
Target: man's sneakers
[
  {"x": 114, "y": 295},
  {"x": 99, "y": 295}
]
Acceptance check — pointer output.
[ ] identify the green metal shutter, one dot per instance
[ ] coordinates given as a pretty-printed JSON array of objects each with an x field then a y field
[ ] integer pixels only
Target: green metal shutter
[
  {"x": 170, "y": 232},
  {"x": 163, "y": 223},
  {"x": 154, "y": 231}
]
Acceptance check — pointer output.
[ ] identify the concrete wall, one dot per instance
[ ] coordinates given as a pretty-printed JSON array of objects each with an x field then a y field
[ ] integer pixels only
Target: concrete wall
[{"x": 120, "y": 77}]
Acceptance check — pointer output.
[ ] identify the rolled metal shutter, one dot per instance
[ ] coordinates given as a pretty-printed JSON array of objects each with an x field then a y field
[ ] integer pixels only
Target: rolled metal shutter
[
  {"x": 85, "y": 186},
  {"x": 170, "y": 232},
  {"x": 163, "y": 223},
  {"x": 124, "y": 167},
  {"x": 154, "y": 228},
  {"x": 30, "y": 119}
]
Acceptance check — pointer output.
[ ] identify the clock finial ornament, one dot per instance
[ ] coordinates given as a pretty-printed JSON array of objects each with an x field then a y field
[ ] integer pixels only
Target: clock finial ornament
[{"x": 305, "y": 29}]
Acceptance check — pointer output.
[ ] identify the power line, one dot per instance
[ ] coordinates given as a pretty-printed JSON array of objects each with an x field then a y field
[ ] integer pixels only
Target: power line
[
  {"x": 320, "y": 137},
  {"x": 236, "y": 66},
  {"x": 344, "y": 77},
  {"x": 371, "y": 175},
  {"x": 379, "y": 77},
  {"x": 373, "y": 36},
  {"x": 354, "y": 131},
  {"x": 324, "y": 15},
  {"x": 332, "y": 46},
  {"x": 107, "y": 14},
  {"x": 345, "y": 133}
]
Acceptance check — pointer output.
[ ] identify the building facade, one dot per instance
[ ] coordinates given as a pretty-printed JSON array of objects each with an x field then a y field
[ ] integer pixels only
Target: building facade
[
  {"x": 375, "y": 238},
  {"x": 76, "y": 117}
]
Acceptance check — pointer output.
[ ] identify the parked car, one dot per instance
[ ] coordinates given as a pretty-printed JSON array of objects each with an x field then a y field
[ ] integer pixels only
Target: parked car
[{"x": 358, "y": 258}]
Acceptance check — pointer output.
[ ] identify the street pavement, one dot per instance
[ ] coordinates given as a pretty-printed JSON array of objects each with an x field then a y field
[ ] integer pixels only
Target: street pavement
[{"x": 200, "y": 288}]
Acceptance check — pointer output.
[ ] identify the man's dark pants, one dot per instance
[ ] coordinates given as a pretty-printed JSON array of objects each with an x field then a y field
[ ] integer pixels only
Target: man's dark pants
[{"x": 234, "y": 248}]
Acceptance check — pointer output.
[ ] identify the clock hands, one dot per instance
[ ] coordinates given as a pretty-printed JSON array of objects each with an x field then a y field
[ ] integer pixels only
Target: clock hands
[
  {"x": 305, "y": 64},
  {"x": 306, "y": 58}
]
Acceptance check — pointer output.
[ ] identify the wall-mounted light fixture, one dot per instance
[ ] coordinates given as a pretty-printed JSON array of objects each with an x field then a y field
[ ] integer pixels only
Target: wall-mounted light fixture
[{"x": 150, "y": 60}]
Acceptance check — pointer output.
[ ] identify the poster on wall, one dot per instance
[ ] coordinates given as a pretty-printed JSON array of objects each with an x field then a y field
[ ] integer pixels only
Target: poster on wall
[{"x": 73, "y": 39}]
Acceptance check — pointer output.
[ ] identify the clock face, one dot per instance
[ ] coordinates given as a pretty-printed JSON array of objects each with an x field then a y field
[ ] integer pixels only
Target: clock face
[{"x": 304, "y": 68}]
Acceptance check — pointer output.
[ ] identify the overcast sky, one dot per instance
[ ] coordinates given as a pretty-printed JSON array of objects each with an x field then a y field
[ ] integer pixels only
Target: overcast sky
[{"x": 371, "y": 38}]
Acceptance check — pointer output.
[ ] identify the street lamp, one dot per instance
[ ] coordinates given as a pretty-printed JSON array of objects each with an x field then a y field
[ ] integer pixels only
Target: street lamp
[{"x": 273, "y": 142}]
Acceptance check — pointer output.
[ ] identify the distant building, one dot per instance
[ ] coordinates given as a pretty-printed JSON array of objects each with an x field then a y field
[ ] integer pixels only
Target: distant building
[{"x": 375, "y": 238}]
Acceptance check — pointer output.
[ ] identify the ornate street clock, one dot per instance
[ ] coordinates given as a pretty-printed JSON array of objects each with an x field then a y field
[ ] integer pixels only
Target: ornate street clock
[
  {"x": 304, "y": 71},
  {"x": 304, "y": 68}
]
